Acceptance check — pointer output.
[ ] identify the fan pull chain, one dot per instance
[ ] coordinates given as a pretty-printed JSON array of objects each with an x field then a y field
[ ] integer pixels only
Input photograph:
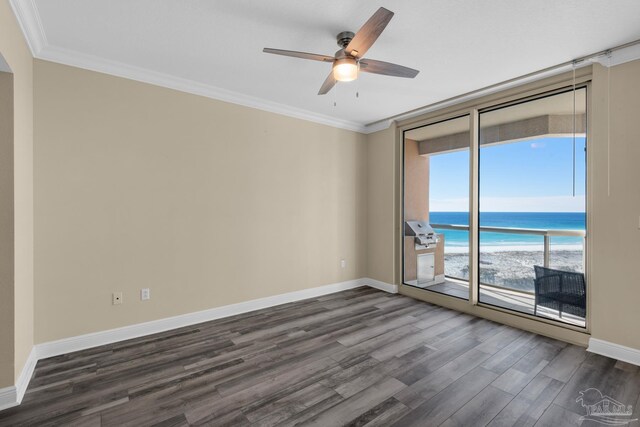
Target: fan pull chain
[{"x": 358, "y": 81}]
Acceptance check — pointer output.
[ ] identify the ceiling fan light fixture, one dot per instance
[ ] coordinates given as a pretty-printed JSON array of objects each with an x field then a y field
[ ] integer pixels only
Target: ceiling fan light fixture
[
  {"x": 349, "y": 60},
  {"x": 345, "y": 69}
]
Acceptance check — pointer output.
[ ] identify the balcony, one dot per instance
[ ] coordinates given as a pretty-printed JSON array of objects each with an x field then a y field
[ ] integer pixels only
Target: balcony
[{"x": 516, "y": 291}]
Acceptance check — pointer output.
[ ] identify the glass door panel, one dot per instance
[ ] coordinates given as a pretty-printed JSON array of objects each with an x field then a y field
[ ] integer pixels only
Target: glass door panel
[
  {"x": 532, "y": 179},
  {"x": 436, "y": 194}
]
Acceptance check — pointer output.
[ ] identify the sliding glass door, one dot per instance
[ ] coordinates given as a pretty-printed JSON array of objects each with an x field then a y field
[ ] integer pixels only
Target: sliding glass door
[
  {"x": 436, "y": 194},
  {"x": 532, "y": 176},
  {"x": 494, "y": 204}
]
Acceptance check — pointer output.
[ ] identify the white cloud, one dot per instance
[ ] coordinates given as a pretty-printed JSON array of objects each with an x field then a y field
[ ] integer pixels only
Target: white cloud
[{"x": 513, "y": 204}]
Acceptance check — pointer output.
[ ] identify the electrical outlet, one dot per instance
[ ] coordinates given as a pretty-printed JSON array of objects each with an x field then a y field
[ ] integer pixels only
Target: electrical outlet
[
  {"x": 145, "y": 294},
  {"x": 343, "y": 263},
  {"x": 116, "y": 298}
]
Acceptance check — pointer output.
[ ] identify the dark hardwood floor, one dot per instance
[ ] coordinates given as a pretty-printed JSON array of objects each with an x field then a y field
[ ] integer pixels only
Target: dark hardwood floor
[{"x": 359, "y": 357}]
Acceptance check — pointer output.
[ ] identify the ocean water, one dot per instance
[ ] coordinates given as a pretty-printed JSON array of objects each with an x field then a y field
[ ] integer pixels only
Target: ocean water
[{"x": 535, "y": 220}]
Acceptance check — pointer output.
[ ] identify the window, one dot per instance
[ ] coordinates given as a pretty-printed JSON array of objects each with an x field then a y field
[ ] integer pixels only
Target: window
[
  {"x": 436, "y": 159},
  {"x": 529, "y": 209},
  {"x": 532, "y": 211}
]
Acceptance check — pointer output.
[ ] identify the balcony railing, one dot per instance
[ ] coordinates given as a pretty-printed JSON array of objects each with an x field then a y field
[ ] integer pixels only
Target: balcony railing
[{"x": 546, "y": 234}]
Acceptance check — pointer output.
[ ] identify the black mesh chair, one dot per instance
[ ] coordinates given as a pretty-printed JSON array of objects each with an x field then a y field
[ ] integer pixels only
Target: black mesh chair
[{"x": 564, "y": 291}]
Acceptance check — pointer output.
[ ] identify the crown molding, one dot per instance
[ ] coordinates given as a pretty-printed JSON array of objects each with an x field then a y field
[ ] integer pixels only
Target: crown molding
[
  {"x": 377, "y": 126},
  {"x": 460, "y": 99},
  {"x": 28, "y": 18},
  {"x": 619, "y": 56},
  {"x": 114, "y": 68},
  {"x": 628, "y": 54},
  {"x": 616, "y": 56}
]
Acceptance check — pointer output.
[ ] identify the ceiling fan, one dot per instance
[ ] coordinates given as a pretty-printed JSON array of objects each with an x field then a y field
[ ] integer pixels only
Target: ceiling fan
[{"x": 348, "y": 61}]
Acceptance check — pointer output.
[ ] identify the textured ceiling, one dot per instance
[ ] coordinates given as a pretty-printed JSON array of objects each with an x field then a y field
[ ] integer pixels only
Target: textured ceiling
[{"x": 458, "y": 46}]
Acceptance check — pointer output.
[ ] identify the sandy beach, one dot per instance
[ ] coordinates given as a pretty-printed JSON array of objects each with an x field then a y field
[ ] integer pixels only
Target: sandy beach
[{"x": 511, "y": 266}]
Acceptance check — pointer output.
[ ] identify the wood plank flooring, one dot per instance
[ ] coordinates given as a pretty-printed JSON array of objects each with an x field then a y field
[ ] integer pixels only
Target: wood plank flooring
[{"x": 358, "y": 358}]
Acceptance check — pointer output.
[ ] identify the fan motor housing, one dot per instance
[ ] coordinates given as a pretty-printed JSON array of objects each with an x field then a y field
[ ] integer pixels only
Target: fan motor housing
[{"x": 344, "y": 38}]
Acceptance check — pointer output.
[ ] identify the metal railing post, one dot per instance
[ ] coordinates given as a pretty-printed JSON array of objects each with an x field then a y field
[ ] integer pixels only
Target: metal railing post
[
  {"x": 546, "y": 250},
  {"x": 474, "y": 219},
  {"x": 584, "y": 254}
]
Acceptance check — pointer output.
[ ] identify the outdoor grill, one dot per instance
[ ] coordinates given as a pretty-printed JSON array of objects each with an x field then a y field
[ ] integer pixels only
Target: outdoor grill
[
  {"x": 423, "y": 234},
  {"x": 424, "y": 248}
]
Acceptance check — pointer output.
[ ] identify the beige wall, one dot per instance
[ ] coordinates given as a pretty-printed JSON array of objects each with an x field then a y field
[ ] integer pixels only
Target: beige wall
[
  {"x": 139, "y": 186},
  {"x": 6, "y": 231},
  {"x": 206, "y": 203},
  {"x": 381, "y": 207},
  {"x": 613, "y": 218},
  {"x": 615, "y": 203},
  {"x": 16, "y": 53}
]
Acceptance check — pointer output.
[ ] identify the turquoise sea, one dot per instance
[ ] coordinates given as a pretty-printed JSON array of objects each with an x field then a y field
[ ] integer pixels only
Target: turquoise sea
[{"x": 536, "y": 220}]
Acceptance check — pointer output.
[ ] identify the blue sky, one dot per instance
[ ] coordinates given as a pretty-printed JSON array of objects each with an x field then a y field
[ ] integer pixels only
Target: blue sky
[{"x": 528, "y": 176}]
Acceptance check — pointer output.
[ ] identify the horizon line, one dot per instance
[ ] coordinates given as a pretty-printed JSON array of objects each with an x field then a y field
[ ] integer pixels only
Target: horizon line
[{"x": 576, "y": 212}]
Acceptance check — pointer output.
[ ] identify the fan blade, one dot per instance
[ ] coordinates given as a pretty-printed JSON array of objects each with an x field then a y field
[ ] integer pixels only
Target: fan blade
[
  {"x": 303, "y": 55},
  {"x": 328, "y": 84},
  {"x": 386, "y": 68},
  {"x": 369, "y": 33}
]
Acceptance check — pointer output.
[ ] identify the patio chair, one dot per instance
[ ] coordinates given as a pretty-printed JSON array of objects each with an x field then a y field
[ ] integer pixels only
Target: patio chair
[{"x": 564, "y": 291}]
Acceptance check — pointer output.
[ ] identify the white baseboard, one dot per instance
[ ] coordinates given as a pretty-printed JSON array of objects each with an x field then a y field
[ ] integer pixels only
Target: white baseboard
[
  {"x": 8, "y": 397},
  {"x": 26, "y": 374},
  {"x": 383, "y": 286},
  {"x": 12, "y": 396},
  {"x": 614, "y": 351},
  {"x": 82, "y": 342}
]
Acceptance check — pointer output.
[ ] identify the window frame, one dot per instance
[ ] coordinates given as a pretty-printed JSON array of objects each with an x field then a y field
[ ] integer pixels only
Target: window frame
[{"x": 501, "y": 99}]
